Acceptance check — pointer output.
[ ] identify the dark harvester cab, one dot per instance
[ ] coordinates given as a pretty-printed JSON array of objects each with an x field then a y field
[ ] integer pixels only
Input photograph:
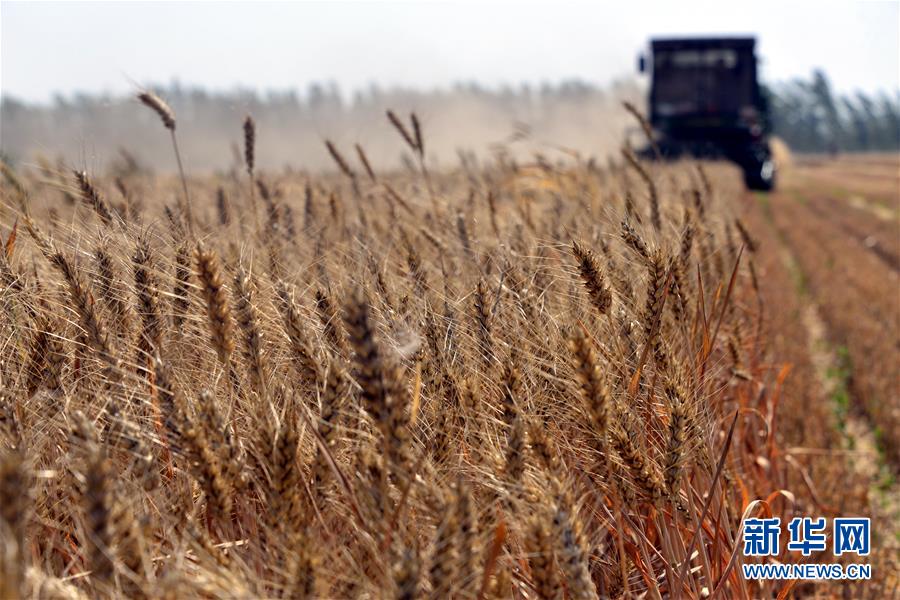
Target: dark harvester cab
[{"x": 705, "y": 101}]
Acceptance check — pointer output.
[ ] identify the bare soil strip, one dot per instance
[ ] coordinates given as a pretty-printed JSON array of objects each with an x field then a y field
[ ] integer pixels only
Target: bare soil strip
[{"x": 792, "y": 214}]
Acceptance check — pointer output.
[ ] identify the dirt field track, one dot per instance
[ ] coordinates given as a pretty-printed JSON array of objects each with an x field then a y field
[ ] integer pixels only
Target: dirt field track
[
  {"x": 832, "y": 232},
  {"x": 837, "y": 222}
]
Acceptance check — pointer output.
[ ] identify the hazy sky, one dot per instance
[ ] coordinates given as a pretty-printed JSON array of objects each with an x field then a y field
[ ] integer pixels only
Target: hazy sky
[{"x": 97, "y": 46}]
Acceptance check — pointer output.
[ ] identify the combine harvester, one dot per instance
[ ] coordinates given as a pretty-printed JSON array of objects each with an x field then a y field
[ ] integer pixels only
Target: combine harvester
[{"x": 705, "y": 102}]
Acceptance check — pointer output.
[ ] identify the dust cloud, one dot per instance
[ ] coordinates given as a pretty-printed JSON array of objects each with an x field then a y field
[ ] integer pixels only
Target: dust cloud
[{"x": 554, "y": 121}]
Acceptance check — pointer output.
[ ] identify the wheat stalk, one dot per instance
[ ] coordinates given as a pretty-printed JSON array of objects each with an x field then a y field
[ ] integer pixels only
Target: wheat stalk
[{"x": 167, "y": 116}]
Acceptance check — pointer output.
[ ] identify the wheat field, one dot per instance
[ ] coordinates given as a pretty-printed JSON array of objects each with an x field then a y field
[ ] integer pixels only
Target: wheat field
[{"x": 508, "y": 379}]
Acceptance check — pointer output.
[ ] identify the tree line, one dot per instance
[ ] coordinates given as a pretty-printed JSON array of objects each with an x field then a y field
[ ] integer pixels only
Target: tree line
[{"x": 811, "y": 117}]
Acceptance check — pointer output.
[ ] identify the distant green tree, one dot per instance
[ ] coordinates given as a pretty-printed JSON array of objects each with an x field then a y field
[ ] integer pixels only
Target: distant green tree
[
  {"x": 859, "y": 139},
  {"x": 890, "y": 108},
  {"x": 820, "y": 88},
  {"x": 873, "y": 122}
]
